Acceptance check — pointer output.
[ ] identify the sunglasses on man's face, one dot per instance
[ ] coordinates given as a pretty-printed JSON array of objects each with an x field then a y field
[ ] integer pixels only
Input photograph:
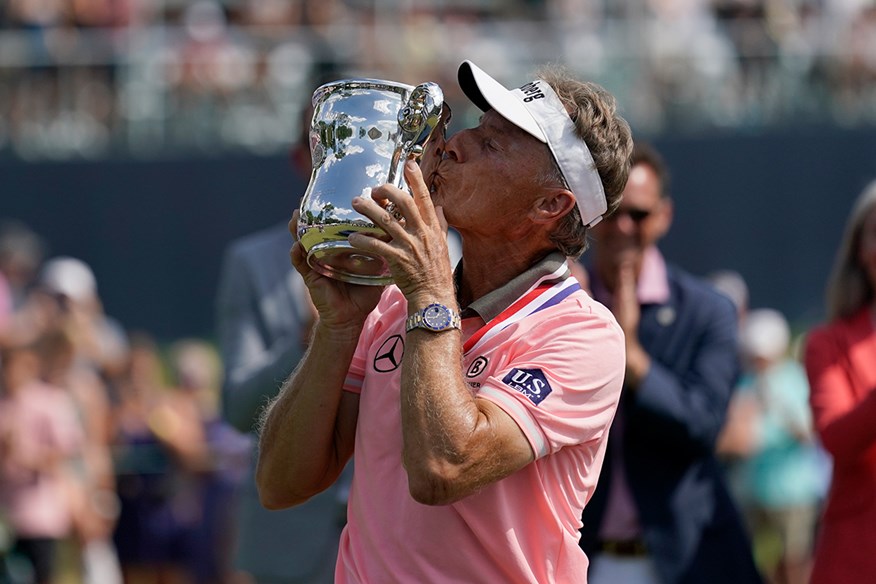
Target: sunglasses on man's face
[{"x": 636, "y": 215}]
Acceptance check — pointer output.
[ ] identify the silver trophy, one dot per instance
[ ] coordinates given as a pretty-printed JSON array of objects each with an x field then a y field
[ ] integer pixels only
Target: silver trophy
[{"x": 361, "y": 134}]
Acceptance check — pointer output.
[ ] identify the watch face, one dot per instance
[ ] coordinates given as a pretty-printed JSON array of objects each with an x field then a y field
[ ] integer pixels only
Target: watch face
[{"x": 436, "y": 317}]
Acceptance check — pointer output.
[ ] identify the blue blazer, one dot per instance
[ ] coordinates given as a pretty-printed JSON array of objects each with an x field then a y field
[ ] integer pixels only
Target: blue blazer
[{"x": 690, "y": 524}]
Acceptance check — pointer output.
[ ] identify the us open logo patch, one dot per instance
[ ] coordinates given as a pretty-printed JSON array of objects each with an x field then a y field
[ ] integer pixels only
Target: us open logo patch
[{"x": 530, "y": 382}]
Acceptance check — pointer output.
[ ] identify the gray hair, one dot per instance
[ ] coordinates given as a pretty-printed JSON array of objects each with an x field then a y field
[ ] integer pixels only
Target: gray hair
[{"x": 608, "y": 137}]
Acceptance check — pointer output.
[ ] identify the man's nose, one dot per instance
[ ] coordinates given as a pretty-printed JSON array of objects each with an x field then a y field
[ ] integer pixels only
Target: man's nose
[
  {"x": 435, "y": 149},
  {"x": 453, "y": 147}
]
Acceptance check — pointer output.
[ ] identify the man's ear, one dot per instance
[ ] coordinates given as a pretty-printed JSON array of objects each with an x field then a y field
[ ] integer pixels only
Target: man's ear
[{"x": 553, "y": 204}]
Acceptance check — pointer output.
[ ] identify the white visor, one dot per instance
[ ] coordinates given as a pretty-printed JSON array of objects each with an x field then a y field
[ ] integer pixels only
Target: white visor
[{"x": 536, "y": 109}]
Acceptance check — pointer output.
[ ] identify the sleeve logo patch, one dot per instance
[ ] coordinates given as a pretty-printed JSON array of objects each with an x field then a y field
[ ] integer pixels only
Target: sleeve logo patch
[{"x": 530, "y": 382}]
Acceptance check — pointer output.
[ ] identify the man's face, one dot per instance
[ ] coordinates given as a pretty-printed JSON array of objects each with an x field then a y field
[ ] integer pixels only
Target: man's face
[
  {"x": 642, "y": 218},
  {"x": 489, "y": 175}
]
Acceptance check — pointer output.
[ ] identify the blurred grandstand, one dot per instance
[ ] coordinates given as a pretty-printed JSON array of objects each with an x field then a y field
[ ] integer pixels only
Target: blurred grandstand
[{"x": 91, "y": 79}]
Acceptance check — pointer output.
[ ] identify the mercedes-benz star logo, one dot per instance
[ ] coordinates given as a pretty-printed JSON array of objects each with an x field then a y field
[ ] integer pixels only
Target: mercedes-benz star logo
[{"x": 389, "y": 355}]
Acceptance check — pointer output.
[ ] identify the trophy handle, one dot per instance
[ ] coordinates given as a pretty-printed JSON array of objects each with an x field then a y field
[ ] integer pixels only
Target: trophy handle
[{"x": 416, "y": 120}]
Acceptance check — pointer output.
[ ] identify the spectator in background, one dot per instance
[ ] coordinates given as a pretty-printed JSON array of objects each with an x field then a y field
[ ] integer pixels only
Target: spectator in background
[
  {"x": 39, "y": 437},
  {"x": 21, "y": 253},
  {"x": 782, "y": 478},
  {"x": 840, "y": 359},
  {"x": 89, "y": 347},
  {"x": 197, "y": 372},
  {"x": 160, "y": 450},
  {"x": 661, "y": 512},
  {"x": 74, "y": 304},
  {"x": 264, "y": 322},
  {"x": 732, "y": 285},
  {"x": 738, "y": 438},
  {"x": 59, "y": 312},
  {"x": 91, "y": 480},
  {"x": 264, "y": 318}
]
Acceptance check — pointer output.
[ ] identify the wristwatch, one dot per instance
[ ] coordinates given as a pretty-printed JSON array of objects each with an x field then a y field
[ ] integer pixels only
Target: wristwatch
[{"x": 435, "y": 317}]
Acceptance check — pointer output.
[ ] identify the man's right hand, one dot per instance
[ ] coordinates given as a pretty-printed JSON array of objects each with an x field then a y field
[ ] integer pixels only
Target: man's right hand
[
  {"x": 341, "y": 306},
  {"x": 628, "y": 312}
]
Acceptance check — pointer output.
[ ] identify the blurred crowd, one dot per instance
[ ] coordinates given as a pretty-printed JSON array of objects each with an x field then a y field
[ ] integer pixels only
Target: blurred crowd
[
  {"x": 116, "y": 465},
  {"x": 93, "y": 78}
]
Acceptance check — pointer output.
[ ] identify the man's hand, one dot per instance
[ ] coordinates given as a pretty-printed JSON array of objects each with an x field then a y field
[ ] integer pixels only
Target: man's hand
[
  {"x": 417, "y": 250},
  {"x": 340, "y": 305},
  {"x": 625, "y": 305}
]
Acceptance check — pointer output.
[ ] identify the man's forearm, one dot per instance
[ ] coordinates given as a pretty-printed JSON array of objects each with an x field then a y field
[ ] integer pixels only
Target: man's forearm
[
  {"x": 454, "y": 443},
  {"x": 305, "y": 438},
  {"x": 439, "y": 415}
]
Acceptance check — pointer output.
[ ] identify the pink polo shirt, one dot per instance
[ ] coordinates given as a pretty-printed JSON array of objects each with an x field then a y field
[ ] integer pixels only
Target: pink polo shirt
[{"x": 553, "y": 359}]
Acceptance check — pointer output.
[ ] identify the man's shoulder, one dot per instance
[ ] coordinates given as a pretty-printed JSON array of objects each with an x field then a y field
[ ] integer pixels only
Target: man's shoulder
[
  {"x": 695, "y": 287},
  {"x": 269, "y": 239}
]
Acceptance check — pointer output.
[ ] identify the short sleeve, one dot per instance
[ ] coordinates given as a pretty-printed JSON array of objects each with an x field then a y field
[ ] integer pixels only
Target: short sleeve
[{"x": 561, "y": 379}]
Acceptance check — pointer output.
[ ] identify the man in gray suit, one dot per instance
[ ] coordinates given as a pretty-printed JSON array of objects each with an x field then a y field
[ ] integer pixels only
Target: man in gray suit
[{"x": 264, "y": 320}]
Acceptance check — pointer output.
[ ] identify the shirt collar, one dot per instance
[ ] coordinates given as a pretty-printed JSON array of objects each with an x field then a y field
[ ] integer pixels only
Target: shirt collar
[
  {"x": 492, "y": 304},
  {"x": 653, "y": 284}
]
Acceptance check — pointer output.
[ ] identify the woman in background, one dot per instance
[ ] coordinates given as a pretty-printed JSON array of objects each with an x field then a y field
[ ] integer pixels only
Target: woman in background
[
  {"x": 160, "y": 449},
  {"x": 40, "y": 434},
  {"x": 840, "y": 361},
  {"x": 196, "y": 369}
]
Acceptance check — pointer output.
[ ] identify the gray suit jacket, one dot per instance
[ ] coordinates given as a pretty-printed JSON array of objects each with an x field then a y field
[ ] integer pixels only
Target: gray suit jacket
[{"x": 263, "y": 323}]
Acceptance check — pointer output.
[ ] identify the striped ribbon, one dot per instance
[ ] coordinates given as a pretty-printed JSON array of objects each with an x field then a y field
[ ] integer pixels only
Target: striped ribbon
[{"x": 546, "y": 292}]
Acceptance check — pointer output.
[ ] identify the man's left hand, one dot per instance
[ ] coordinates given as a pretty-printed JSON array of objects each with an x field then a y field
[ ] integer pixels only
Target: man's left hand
[{"x": 417, "y": 250}]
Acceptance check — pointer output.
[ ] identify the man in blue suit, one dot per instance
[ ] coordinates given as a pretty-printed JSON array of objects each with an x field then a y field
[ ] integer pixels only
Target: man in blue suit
[{"x": 661, "y": 512}]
